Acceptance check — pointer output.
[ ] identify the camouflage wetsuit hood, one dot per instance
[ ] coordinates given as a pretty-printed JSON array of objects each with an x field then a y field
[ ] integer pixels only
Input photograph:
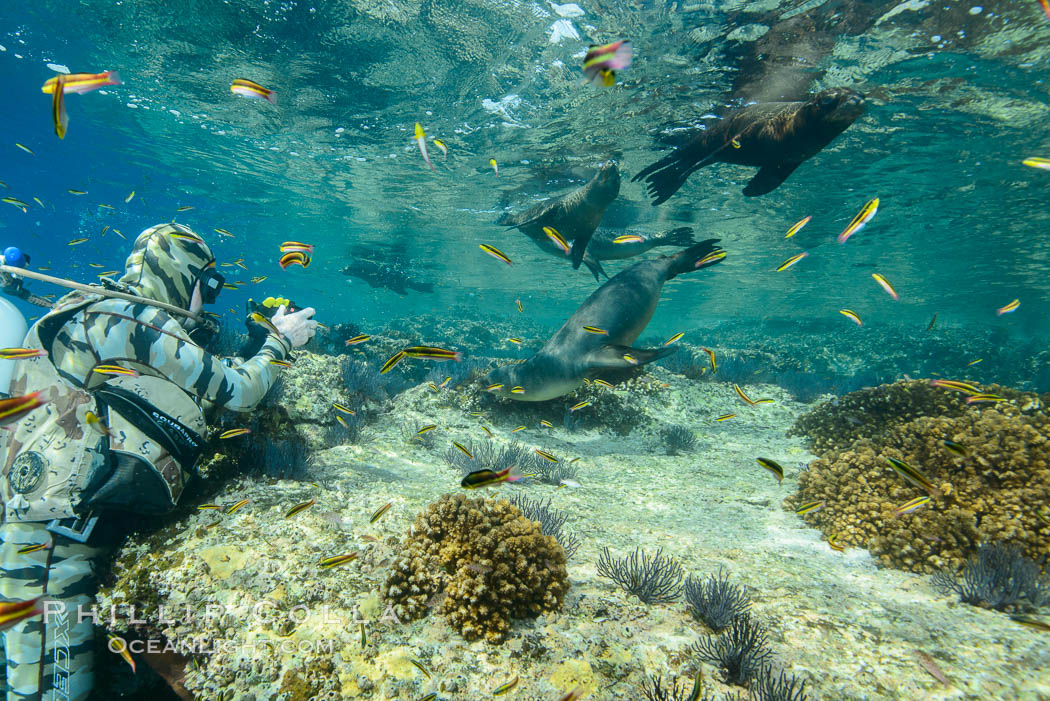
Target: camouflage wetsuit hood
[{"x": 165, "y": 264}]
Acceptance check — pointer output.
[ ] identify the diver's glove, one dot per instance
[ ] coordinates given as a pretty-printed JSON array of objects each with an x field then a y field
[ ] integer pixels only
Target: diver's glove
[{"x": 297, "y": 327}]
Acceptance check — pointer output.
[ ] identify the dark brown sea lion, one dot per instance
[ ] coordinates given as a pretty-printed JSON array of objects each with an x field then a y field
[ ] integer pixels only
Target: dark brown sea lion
[
  {"x": 575, "y": 216},
  {"x": 774, "y": 136}
]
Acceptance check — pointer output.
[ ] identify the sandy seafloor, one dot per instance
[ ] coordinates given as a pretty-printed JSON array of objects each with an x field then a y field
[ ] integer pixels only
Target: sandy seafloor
[{"x": 836, "y": 620}]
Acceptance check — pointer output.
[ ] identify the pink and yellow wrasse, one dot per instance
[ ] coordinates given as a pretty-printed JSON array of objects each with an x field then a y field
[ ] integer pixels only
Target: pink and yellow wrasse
[
  {"x": 1036, "y": 161},
  {"x": 908, "y": 507},
  {"x": 421, "y": 139},
  {"x": 237, "y": 506},
  {"x": 22, "y": 353},
  {"x": 252, "y": 90},
  {"x": 114, "y": 370},
  {"x": 336, "y": 560},
  {"x": 380, "y": 511},
  {"x": 986, "y": 399},
  {"x": 712, "y": 257},
  {"x": 81, "y": 83},
  {"x": 913, "y": 475},
  {"x": 850, "y": 314},
  {"x": 711, "y": 356},
  {"x": 432, "y": 352},
  {"x": 809, "y": 507},
  {"x": 956, "y": 385},
  {"x": 791, "y": 261},
  {"x": 797, "y": 227},
  {"x": 299, "y": 508},
  {"x": 495, "y": 253},
  {"x": 601, "y": 62},
  {"x": 504, "y": 689},
  {"x": 554, "y": 236},
  {"x": 119, "y": 646},
  {"x": 14, "y": 612},
  {"x": 628, "y": 238},
  {"x": 234, "y": 432},
  {"x": 265, "y": 323},
  {"x": 1009, "y": 308},
  {"x": 885, "y": 284},
  {"x": 35, "y": 547},
  {"x": 58, "y": 107},
  {"x": 740, "y": 393},
  {"x": 391, "y": 362},
  {"x": 863, "y": 217}
]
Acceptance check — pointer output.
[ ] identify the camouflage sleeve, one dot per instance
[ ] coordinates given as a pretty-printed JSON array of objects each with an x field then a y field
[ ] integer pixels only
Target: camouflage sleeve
[{"x": 150, "y": 337}]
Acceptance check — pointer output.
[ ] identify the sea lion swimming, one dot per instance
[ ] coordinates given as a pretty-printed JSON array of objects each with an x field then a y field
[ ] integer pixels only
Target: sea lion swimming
[
  {"x": 621, "y": 307},
  {"x": 603, "y": 246},
  {"x": 575, "y": 216},
  {"x": 774, "y": 136}
]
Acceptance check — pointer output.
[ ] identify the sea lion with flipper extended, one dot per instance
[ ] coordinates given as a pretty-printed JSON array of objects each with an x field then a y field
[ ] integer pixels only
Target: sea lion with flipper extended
[
  {"x": 574, "y": 216},
  {"x": 774, "y": 136},
  {"x": 622, "y": 308}
]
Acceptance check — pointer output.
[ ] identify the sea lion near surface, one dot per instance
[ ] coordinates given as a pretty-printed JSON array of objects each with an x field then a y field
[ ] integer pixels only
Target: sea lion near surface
[
  {"x": 574, "y": 216},
  {"x": 603, "y": 246},
  {"x": 777, "y": 137},
  {"x": 616, "y": 313}
]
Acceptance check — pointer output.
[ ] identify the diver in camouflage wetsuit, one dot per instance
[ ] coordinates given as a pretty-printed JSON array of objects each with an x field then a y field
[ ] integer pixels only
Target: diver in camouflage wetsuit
[{"x": 108, "y": 443}]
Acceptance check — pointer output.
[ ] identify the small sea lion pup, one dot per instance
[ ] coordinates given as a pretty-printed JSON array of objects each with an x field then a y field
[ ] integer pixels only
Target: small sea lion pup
[
  {"x": 774, "y": 136},
  {"x": 598, "y": 336}
]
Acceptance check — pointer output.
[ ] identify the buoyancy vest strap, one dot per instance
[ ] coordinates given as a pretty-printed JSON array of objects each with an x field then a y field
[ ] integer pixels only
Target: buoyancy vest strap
[{"x": 182, "y": 442}]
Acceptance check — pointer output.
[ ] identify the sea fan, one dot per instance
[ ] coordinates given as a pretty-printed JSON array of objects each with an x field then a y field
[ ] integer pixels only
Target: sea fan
[{"x": 653, "y": 579}]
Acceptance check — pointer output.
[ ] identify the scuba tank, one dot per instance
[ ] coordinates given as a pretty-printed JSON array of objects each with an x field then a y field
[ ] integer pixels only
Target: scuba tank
[{"x": 12, "y": 333}]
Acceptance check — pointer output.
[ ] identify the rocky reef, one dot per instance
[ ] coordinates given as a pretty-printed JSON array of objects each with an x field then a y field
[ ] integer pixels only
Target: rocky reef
[
  {"x": 989, "y": 465},
  {"x": 480, "y": 563}
]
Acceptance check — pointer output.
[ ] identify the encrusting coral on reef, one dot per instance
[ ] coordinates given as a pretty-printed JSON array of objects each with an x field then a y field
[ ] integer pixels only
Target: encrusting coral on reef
[
  {"x": 483, "y": 561},
  {"x": 988, "y": 465}
]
